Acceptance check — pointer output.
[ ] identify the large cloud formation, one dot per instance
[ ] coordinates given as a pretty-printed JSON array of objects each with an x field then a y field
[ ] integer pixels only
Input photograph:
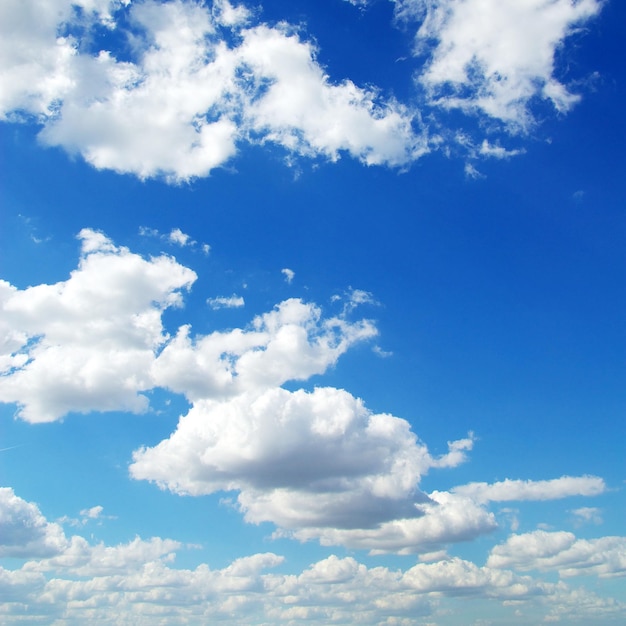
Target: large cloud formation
[
  {"x": 199, "y": 81},
  {"x": 318, "y": 464},
  {"x": 74, "y": 581},
  {"x": 181, "y": 85}
]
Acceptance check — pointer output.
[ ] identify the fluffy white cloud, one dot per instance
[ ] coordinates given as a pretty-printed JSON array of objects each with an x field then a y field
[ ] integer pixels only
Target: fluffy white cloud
[
  {"x": 561, "y": 551},
  {"x": 88, "y": 343},
  {"x": 36, "y": 62},
  {"x": 292, "y": 342},
  {"x": 137, "y": 582},
  {"x": 24, "y": 531},
  {"x": 199, "y": 82},
  {"x": 298, "y": 459},
  {"x": 302, "y": 111},
  {"x": 510, "y": 490},
  {"x": 494, "y": 56}
]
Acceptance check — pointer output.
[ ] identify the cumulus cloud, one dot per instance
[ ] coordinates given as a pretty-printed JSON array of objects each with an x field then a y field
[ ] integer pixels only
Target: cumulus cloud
[
  {"x": 88, "y": 343},
  {"x": 138, "y": 582},
  {"x": 24, "y": 531},
  {"x": 493, "y": 56},
  {"x": 563, "y": 552},
  {"x": 200, "y": 82},
  {"x": 302, "y": 460},
  {"x": 180, "y": 238}
]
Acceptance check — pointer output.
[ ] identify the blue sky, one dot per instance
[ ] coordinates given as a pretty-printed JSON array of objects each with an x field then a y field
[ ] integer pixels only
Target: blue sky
[{"x": 312, "y": 312}]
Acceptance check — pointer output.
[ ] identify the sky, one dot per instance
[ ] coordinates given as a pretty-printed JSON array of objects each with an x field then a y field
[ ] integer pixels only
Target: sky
[{"x": 312, "y": 312}]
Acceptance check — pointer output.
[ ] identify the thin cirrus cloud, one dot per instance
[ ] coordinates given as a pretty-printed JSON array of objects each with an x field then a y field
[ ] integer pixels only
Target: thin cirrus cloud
[{"x": 196, "y": 82}]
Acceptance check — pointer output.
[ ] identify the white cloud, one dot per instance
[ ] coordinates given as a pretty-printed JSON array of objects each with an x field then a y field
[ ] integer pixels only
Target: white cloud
[
  {"x": 514, "y": 490},
  {"x": 495, "y": 56},
  {"x": 191, "y": 93},
  {"x": 292, "y": 342},
  {"x": 444, "y": 518},
  {"x": 561, "y": 551},
  {"x": 313, "y": 463},
  {"x": 226, "y": 302},
  {"x": 137, "y": 582},
  {"x": 88, "y": 343},
  {"x": 288, "y": 274},
  {"x": 180, "y": 238},
  {"x": 587, "y": 515},
  {"x": 302, "y": 111},
  {"x": 24, "y": 531}
]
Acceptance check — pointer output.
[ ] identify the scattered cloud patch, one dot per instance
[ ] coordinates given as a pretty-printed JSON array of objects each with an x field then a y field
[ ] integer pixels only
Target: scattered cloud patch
[
  {"x": 226, "y": 302},
  {"x": 288, "y": 274},
  {"x": 587, "y": 515},
  {"x": 202, "y": 82},
  {"x": 250, "y": 590}
]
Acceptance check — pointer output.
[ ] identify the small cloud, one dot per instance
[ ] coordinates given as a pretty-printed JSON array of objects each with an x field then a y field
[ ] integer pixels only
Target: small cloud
[
  {"x": 496, "y": 151},
  {"x": 289, "y": 274},
  {"x": 226, "y": 302},
  {"x": 431, "y": 557},
  {"x": 472, "y": 172},
  {"x": 206, "y": 248},
  {"x": 93, "y": 513},
  {"x": 578, "y": 196},
  {"x": 86, "y": 516},
  {"x": 180, "y": 238},
  {"x": 383, "y": 354},
  {"x": 146, "y": 231},
  {"x": 587, "y": 515}
]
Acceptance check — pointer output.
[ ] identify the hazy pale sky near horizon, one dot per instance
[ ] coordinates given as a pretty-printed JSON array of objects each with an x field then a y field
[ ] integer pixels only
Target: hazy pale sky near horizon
[{"x": 312, "y": 312}]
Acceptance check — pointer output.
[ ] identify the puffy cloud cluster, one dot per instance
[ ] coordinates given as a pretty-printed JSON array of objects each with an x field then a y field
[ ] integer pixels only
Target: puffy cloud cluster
[
  {"x": 495, "y": 56},
  {"x": 188, "y": 83},
  {"x": 318, "y": 464},
  {"x": 137, "y": 582},
  {"x": 200, "y": 80}
]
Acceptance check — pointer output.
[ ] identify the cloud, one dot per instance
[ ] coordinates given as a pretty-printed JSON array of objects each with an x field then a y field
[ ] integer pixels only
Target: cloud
[
  {"x": 288, "y": 274},
  {"x": 494, "y": 57},
  {"x": 226, "y": 302},
  {"x": 199, "y": 83},
  {"x": 24, "y": 531},
  {"x": 299, "y": 459},
  {"x": 180, "y": 238},
  {"x": 561, "y": 551},
  {"x": 137, "y": 581},
  {"x": 318, "y": 464},
  {"x": 88, "y": 343},
  {"x": 515, "y": 490},
  {"x": 292, "y": 342},
  {"x": 587, "y": 515}
]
